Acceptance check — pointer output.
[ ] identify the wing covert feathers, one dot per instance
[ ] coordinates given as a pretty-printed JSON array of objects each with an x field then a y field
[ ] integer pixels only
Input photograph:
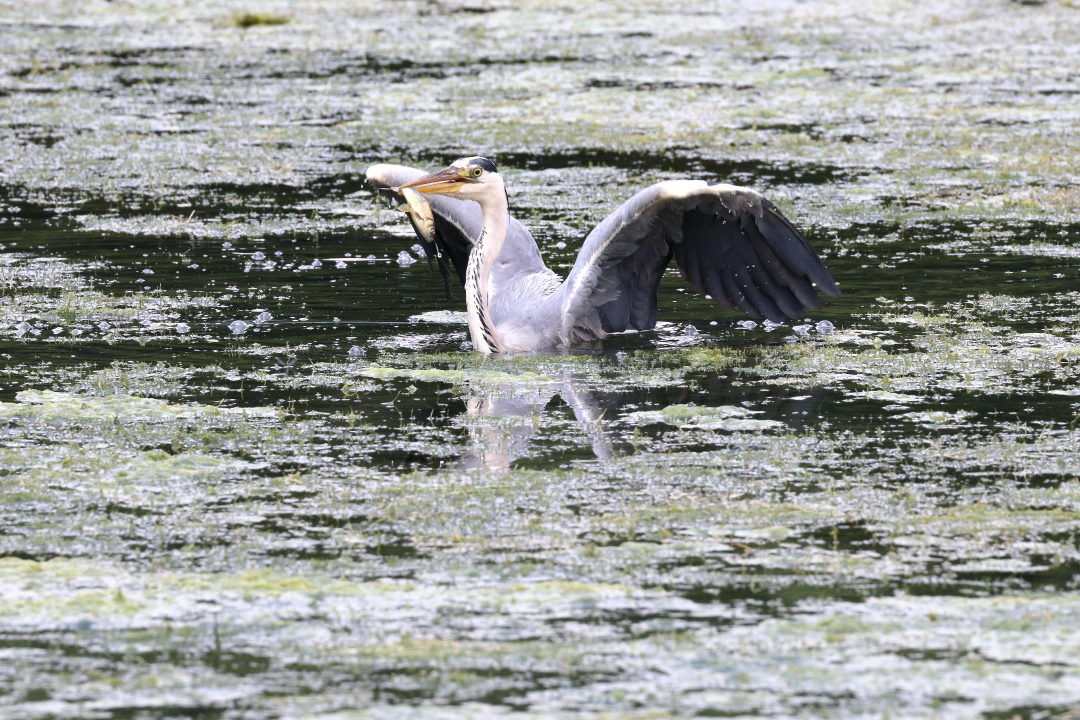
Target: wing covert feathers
[{"x": 729, "y": 243}]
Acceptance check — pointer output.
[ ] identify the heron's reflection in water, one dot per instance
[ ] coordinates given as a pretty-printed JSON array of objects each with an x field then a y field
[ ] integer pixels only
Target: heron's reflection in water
[
  {"x": 506, "y": 422},
  {"x": 503, "y": 421}
]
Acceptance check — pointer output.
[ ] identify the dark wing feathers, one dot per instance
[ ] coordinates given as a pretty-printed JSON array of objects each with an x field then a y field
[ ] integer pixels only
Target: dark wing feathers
[
  {"x": 746, "y": 243},
  {"x": 634, "y": 273},
  {"x": 728, "y": 242},
  {"x": 789, "y": 244},
  {"x": 800, "y": 287},
  {"x": 450, "y": 242}
]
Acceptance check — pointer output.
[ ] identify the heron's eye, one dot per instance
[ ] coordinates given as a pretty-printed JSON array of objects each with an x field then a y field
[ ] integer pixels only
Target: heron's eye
[{"x": 476, "y": 172}]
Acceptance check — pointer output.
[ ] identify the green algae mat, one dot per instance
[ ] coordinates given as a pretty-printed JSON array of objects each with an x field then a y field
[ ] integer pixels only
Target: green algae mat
[{"x": 248, "y": 471}]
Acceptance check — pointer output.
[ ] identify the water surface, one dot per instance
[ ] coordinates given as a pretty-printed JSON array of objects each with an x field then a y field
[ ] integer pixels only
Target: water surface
[{"x": 246, "y": 472}]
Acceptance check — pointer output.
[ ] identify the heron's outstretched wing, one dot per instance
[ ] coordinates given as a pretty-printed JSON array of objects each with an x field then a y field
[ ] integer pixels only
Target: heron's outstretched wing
[
  {"x": 457, "y": 225},
  {"x": 729, "y": 242}
]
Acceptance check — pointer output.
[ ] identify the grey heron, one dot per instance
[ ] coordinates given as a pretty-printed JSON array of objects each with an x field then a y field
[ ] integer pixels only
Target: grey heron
[{"x": 729, "y": 242}]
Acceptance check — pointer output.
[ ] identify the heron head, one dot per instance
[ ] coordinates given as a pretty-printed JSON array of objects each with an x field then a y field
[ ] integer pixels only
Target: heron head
[{"x": 469, "y": 178}]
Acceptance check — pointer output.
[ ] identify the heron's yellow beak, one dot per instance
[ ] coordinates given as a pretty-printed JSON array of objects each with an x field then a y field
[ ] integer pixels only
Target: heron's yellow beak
[{"x": 443, "y": 182}]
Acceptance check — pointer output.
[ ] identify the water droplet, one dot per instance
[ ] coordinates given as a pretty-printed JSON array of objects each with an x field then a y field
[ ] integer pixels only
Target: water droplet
[
  {"x": 194, "y": 266},
  {"x": 560, "y": 245},
  {"x": 357, "y": 351},
  {"x": 341, "y": 265},
  {"x": 147, "y": 271},
  {"x": 746, "y": 324},
  {"x": 419, "y": 250},
  {"x": 258, "y": 256},
  {"x": 315, "y": 263},
  {"x": 238, "y": 327},
  {"x": 23, "y": 328},
  {"x": 226, "y": 245},
  {"x": 104, "y": 326},
  {"x": 825, "y": 327},
  {"x": 404, "y": 259},
  {"x": 57, "y": 330},
  {"x": 769, "y": 325},
  {"x": 803, "y": 329},
  {"x": 263, "y": 317},
  {"x": 690, "y": 331},
  {"x": 183, "y": 329}
]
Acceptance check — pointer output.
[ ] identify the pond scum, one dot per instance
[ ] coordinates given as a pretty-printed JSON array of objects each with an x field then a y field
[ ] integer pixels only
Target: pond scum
[{"x": 248, "y": 471}]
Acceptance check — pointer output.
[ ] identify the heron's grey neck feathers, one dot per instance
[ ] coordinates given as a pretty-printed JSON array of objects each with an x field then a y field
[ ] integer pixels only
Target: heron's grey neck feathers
[{"x": 484, "y": 254}]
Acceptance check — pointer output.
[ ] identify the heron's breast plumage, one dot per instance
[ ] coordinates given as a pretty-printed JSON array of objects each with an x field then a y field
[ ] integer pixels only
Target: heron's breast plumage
[{"x": 478, "y": 300}]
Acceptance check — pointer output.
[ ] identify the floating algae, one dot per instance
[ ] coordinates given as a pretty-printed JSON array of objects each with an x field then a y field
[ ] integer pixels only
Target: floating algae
[
  {"x": 340, "y": 513},
  {"x": 46, "y": 406},
  {"x": 704, "y": 418}
]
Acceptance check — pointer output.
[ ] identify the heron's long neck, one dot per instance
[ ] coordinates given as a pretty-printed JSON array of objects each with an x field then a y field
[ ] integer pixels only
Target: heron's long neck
[{"x": 478, "y": 277}]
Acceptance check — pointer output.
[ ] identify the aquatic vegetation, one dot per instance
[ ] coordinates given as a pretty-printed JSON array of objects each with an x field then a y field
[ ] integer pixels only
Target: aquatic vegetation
[
  {"x": 339, "y": 512},
  {"x": 705, "y": 418},
  {"x": 253, "y": 19}
]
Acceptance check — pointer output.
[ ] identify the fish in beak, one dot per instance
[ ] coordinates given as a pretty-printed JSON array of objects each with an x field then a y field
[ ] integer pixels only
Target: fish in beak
[
  {"x": 418, "y": 208},
  {"x": 443, "y": 182}
]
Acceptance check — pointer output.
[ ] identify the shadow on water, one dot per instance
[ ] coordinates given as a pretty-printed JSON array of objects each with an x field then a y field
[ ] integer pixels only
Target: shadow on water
[
  {"x": 681, "y": 160},
  {"x": 213, "y": 200},
  {"x": 686, "y": 161}
]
